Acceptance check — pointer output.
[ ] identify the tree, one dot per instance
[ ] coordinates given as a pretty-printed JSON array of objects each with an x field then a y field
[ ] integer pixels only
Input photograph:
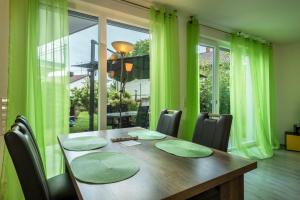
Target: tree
[
  {"x": 141, "y": 48},
  {"x": 224, "y": 90},
  {"x": 206, "y": 88},
  {"x": 206, "y": 85},
  {"x": 80, "y": 97}
]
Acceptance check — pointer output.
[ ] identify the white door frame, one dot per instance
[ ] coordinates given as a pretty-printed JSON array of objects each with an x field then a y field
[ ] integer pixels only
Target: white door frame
[
  {"x": 217, "y": 46},
  {"x": 103, "y": 15}
]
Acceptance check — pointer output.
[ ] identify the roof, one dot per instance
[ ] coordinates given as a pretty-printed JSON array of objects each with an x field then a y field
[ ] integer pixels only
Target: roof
[{"x": 75, "y": 78}]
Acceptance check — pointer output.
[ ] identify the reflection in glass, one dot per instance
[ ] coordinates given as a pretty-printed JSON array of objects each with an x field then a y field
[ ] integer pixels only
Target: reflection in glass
[
  {"x": 136, "y": 75},
  {"x": 83, "y": 44},
  {"x": 224, "y": 79},
  {"x": 206, "y": 60}
]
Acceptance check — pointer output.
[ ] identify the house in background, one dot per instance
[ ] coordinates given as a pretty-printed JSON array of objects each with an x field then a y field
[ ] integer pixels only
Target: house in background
[{"x": 77, "y": 81}]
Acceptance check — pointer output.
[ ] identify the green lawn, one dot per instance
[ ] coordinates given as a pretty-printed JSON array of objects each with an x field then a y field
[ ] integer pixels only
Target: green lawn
[{"x": 82, "y": 123}]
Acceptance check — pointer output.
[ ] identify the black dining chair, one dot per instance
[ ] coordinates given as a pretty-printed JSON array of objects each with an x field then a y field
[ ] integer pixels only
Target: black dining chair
[
  {"x": 28, "y": 164},
  {"x": 213, "y": 130},
  {"x": 212, "y": 194},
  {"x": 168, "y": 122},
  {"x": 22, "y": 120}
]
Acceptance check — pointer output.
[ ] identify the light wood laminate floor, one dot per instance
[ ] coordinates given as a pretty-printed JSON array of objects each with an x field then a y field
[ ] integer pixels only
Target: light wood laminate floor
[{"x": 276, "y": 178}]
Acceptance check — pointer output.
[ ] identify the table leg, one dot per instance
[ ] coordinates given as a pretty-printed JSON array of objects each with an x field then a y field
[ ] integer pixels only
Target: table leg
[{"x": 233, "y": 190}]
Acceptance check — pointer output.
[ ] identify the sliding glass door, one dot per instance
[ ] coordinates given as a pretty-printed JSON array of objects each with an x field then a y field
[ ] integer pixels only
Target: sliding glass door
[
  {"x": 214, "y": 65},
  {"x": 83, "y": 52},
  {"x": 135, "y": 75},
  {"x": 224, "y": 80},
  {"x": 95, "y": 67},
  {"x": 206, "y": 78}
]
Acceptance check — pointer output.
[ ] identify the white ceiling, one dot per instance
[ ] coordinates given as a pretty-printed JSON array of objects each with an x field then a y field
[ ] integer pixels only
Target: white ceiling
[{"x": 273, "y": 20}]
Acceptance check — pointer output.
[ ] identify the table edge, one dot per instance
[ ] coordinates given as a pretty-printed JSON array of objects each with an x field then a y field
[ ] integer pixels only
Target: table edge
[{"x": 182, "y": 194}]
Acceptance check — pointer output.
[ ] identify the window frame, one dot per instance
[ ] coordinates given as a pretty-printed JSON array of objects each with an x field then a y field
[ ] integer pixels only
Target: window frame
[
  {"x": 217, "y": 46},
  {"x": 104, "y": 17}
]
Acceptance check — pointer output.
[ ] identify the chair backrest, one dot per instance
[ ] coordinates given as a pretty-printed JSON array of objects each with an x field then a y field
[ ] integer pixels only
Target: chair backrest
[
  {"x": 168, "y": 122},
  {"x": 27, "y": 162},
  {"x": 109, "y": 109},
  {"x": 142, "y": 117},
  {"x": 21, "y": 119},
  {"x": 213, "y": 132}
]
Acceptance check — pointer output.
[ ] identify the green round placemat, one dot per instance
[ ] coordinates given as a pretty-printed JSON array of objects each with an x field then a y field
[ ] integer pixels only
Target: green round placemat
[
  {"x": 147, "y": 135},
  {"x": 184, "y": 148},
  {"x": 104, "y": 167},
  {"x": 84, "y": 143}
]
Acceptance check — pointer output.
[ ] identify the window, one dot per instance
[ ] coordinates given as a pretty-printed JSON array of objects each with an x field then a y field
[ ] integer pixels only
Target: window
[
  {"x": 206, "y": 78},
  {"x": 83, "y": 56},
  {"x": 224, "y": 80},
  {"x": 95, "y": 77},
  {"x": 136, "y": 77},
  {"x": 214, "y": 63}
]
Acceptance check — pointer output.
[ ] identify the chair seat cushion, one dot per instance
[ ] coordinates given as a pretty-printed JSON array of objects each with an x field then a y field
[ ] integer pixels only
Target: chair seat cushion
[
  {"x": 212, "y": 194},
  {"x": 61, "y": 187}
]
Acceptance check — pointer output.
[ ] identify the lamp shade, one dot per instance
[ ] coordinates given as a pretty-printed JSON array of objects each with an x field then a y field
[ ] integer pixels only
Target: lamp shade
[
  {"x": 113, "y": 57},
  {"x": 128, "y": 67},
  {"x": 122, "y": 46}
]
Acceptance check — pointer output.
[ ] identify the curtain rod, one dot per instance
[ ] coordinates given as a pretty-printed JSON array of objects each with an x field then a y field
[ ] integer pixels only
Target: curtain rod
[
  {"x": 135, "y": 4},
  {"x": 226, "y": 32},
  {"x": 148, "y": 8}
]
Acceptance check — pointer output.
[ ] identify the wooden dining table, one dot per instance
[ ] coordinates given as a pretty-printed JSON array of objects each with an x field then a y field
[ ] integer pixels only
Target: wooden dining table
[{"x": 162, "y": 175}]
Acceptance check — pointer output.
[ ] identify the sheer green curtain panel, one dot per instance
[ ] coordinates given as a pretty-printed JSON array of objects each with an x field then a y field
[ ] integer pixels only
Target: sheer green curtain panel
[
  {"x": 192, "y": 97},
  {"x": 9, "y": 184},
  {"x": 164, "y": 63},
  {"x": 47, "y": 105},
  {"x": 253, "y": 133},
  {"x": 38, "y": 81}
]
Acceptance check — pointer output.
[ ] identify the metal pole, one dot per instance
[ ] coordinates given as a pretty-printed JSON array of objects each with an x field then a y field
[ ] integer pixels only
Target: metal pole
[
  {"x": 92, "y": 96},
  {"x": 92, "y": 87},
  {"x": 121, "y": 90},
  {"x": 140, "y": 91}
]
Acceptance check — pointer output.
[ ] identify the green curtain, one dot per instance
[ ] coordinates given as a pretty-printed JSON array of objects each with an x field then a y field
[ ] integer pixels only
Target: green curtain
[
  {"x": 9, "y": 185},
  {"x": 164, "y": 63},
  {"x": 253, "y": 133},
  {"x": 38, "y": 81},
  {"x": 192, "y": 96}
]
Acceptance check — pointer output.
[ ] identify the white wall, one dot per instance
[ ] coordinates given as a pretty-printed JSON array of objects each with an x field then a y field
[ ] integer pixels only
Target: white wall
[
  {"x": 287, "y": 77},
  {"x": 115, "y": 10}
]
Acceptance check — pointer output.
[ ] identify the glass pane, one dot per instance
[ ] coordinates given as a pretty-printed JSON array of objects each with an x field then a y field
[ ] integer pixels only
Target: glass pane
[
  {"x": 83, "y": 48},
  {"x": 224, "y": 78},
  {"x": 206, "y": 78},
  {"x": 135, "y": 77}
]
